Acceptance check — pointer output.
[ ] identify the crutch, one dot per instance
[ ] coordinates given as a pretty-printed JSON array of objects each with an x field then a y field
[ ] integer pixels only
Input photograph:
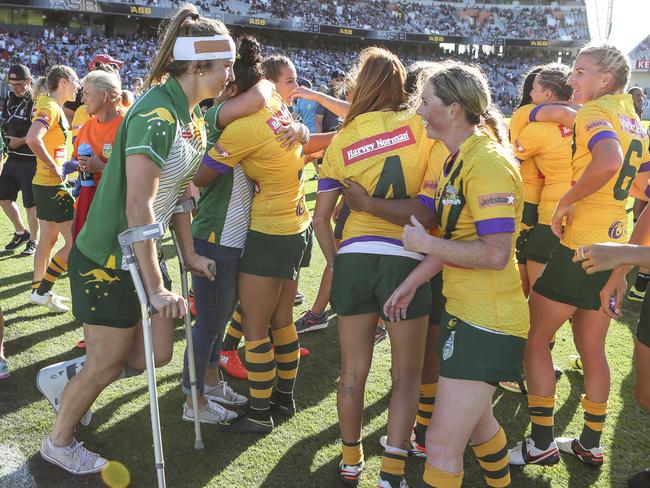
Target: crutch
[
  {"x": 184, "y": 207},
  {"x": 126, "y": 240}
]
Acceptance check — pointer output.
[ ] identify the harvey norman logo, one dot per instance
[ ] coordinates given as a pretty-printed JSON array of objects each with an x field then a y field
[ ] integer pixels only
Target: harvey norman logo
[{"x": 378, "y": 144}]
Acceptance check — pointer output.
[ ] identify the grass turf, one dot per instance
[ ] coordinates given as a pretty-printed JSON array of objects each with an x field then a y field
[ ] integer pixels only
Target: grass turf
[{"x": 301, "y": 452}]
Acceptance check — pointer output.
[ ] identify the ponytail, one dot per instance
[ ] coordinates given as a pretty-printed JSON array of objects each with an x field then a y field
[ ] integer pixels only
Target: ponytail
[{"x": 186, "y": 22}]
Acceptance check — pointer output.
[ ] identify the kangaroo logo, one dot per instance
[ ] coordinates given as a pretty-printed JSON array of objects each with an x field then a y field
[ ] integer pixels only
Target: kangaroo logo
[
  {"x": 60, "y": 195},
  {"x": 100, "y": 276},
  {"x": 160, "y": 114}
]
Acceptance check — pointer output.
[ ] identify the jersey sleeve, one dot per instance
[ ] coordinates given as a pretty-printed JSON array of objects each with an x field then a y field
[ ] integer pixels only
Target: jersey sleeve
[
  {"x": 593, "y": 125},
  {"x": 519, "y": 120},
  {"x": 46, "y": 114},
  {"x": 151, "y": 133},
  {"x": 212, "y": 126},
  {"x": 234, "y": 146},
  {"x": 330, "y": 177},
  {"x": 529, "y": 142},
  {"x": 437, "y": 158},
  {"x": 490, "y": 191}
]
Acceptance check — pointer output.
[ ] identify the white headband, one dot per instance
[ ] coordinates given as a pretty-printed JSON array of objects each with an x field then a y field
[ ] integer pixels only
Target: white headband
[{"x": 204, "y": 48}]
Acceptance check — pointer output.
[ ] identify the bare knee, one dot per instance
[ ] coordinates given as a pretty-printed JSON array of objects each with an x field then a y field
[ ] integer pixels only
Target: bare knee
[
  {"x": 438, "y": 450},
  {"x": 355, "y": 373},
  {"x": 163, "y": 358},
  {"x": 102, "y": 374}
]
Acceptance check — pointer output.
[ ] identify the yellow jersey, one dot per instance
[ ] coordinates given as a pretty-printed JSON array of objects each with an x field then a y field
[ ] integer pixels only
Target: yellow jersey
[
  {"x": 601, "y": 216},
  {"x": 532, "y": 179},
  {"x": 387, "y": 154},
  {"x": 81, "y": 116},
  {"x": 49, "y": 113},
  {"x": 279, "y": 206},
  {"x": 480, "y": 193},
  {"x": 427, "y": 195},
  {"x": 549, "y": 145}
]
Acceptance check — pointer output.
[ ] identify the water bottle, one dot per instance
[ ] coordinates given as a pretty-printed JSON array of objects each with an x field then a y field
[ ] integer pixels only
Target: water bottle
[{"x": 86, "y": 177}]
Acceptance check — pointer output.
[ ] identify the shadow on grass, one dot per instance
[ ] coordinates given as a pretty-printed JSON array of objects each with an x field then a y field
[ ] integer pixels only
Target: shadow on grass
[
  {"x": 12, "y": 286},
  {"x": 22, "y": 343}
]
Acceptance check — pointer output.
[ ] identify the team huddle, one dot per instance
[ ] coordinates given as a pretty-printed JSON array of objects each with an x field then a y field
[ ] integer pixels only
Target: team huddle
[{"x": 432, "y": 197}]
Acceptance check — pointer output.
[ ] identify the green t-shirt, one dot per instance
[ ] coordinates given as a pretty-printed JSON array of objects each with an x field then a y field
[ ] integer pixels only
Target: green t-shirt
[
  {"x": 161, "y": 127},
  {"x": 224, "y": 210}
]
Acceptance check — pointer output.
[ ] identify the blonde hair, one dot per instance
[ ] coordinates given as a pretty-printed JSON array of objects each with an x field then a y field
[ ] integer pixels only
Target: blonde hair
[
  {"x": 39, "y": 88},
  {"x": 454, "y": 82},
  {"x": 186, "y": 22},
  {"x": 105, "y": 82},
  {"x": 610, "y": 60},
  {"x": 378, "y": 85}
]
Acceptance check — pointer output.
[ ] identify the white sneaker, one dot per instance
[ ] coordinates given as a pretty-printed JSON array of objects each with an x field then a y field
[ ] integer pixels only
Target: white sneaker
[
  {"x": 349, "y": 473},
  {"x": 51, "y": 381},
  {"x": 386, "y": 484},
  {"x": 53, "y": 302},
  {"x": 414, "y": 449},
  {"x": 213, "y": 413},
  {"x": 222, "y": 393},
  {"x": 75, "y": 458},
  {"x": 571, "y": 445},
  {"x": 525, "y": 452}
]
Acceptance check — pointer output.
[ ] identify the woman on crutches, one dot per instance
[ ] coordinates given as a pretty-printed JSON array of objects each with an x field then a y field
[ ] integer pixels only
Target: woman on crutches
[{"x": 158, "y": 148}]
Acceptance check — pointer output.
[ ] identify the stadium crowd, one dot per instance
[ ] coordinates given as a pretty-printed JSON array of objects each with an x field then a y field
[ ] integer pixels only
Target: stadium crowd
[
  {"x": 313, "y": 63},
  {"x": 467, "y": 242}
]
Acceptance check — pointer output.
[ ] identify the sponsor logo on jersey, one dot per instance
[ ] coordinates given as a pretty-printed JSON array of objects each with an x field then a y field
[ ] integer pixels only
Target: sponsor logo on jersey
[
  {"x": 279, "y": 120},
  {"x": 99, "y": 275},
  {"x": 450, "y": 196},
  {"x": 186, "y": 134},
  {"x": 378, "y": 144},
  {"x": 107, "y": 149},
  {"x": 44, "y": 116},
  {"x": 565, "y": 131},
  {"x": 616, "y": 230},
  {"x": 496, "y": 199},
  {"x": 632, "y": 126},
  {"x": 595, "y": 124},
  {"x": 159, "y": 114},
  {"x": 60, "y": 153},
  {"x": 429, "y": 185}
]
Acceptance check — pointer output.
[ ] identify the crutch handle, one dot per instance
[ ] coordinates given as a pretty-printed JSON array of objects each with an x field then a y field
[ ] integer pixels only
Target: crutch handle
[
  {"x": 185, "y": 206},
  {"x": 139, "y": 234}
]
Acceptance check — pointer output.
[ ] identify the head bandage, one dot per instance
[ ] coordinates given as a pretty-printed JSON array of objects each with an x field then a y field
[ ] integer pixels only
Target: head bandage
[{"x": 204, "y": 48}]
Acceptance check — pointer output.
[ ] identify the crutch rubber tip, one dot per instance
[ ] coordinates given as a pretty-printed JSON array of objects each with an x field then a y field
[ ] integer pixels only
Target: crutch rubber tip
[{"x": 198, "y": 445}]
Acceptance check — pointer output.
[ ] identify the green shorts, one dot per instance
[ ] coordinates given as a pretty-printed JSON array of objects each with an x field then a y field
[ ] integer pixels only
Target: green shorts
[
  {"x": 643, "y": 331},
  {"x": 564, "y": 281},
  {"x": 103, "y": 296},
  {"x": 541, "y": 243},
  {"x": 437, "y": 299},
  {"x": 53, "y": 203},
  {"x": 470, "y": 352},
  {"x": 276, "y": 256},
  {"x": 521, "y": 243},
  {"x": 363, "y": 282}
]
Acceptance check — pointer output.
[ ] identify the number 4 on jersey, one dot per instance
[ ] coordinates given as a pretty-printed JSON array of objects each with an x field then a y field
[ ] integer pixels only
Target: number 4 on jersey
[{"x": 391, "y": 175}]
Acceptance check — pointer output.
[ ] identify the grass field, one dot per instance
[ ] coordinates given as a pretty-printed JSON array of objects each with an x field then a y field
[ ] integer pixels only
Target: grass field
[{"x": 302, "y": 452}]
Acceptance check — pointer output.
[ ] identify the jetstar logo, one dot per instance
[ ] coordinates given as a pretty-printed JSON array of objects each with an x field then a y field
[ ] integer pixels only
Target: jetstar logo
[
  {"x": 495, "y": 199},
  {"x": 565, "y": 131},
  {"x": 378, "y": 144},
  {"x": 279, "y": 119}
]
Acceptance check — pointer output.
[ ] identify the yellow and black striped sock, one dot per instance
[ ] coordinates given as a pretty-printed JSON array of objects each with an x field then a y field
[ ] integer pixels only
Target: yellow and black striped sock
[
  {"x": 56, "y": 268},
  {"x": 493, "y": 458},
  {"x": 35, "y": 285},
  {"x": 392, "y": 465},
  {"x": 425, "y": 410},
  {"x": 541, "y": 417},
  {"x": 287, "y": 357},
  {"x": 352, "y": 452},
  {"x": 437, "y": 478},
  {"x": 234, "y": 332},
  {"x": 595, "y": 414},
  {"x": 260, "y": 364}
]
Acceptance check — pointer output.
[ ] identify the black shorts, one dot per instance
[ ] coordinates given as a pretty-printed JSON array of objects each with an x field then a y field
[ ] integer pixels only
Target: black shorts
[{"x": 17, "y": 175}]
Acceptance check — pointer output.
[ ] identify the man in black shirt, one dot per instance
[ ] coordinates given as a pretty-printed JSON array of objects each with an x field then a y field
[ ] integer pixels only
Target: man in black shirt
[
  {"x": 326, "y": 120},
  {"x": 20, "y": 167}
]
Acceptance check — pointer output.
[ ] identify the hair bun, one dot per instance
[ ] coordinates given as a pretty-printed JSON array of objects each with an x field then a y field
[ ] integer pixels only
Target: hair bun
[{"x": 250, "y": 51}]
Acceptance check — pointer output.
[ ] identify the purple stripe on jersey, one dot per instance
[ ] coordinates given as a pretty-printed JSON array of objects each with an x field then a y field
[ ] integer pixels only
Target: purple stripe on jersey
[
  {"x": 606, "y": 134},
  {"x": 388, "y": 240},
  {"x": 427, "y": 201},
  {"x": 533, "y": 113},
  {"x": 328, "y": 184},
  {"x": 644, "y": 167},
  {"x": 495, "y": 226},
  {"x": 216, "y": 165},
  {"x": 647, "y": 191},
  {"x": 42, "y": 122}
]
